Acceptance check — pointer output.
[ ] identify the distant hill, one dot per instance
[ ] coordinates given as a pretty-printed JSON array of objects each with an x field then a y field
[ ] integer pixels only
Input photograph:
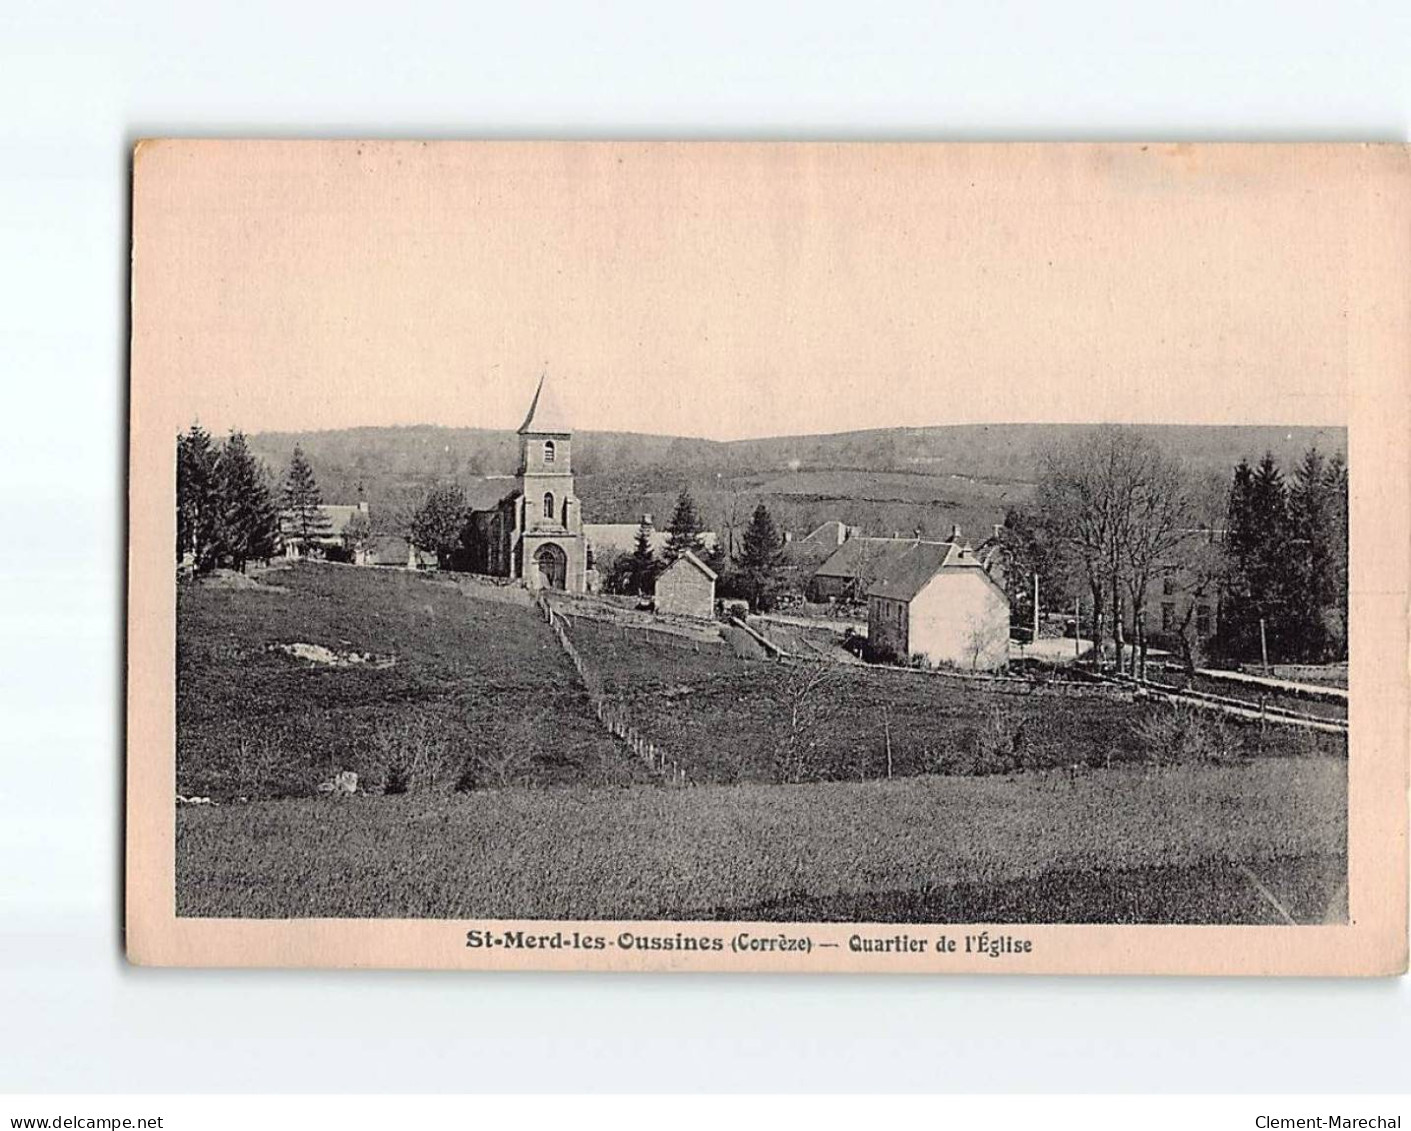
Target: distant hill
[{"x": 883, "y": 480}]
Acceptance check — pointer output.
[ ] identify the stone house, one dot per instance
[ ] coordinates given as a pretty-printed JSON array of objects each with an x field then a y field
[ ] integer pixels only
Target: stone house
[
  {"x": 686, "y": 588},
  {"x": 936, "y": 601}
]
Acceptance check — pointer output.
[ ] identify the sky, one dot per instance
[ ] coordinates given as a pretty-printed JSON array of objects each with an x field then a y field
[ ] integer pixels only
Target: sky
[{"x": 731, "y": 291}]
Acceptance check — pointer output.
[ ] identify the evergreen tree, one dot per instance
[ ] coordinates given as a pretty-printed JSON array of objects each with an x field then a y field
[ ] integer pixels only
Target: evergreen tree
[
  {"x": 439, "y": 521},
  {"x": 1312, "y": 634},
  {"x": 685, "y": 528},
  {"x": 197, "y": 500},
  {"x": 761, "y": 560},
  {"x": 1256, "y": 528},
  {"x": 304, "y": 519},
  {"x": 249, "y": 522},
  {"x": 642, "y": 567},
  {"x": 1336, "y": 479},
  {"x": 1286, "y": 561}
]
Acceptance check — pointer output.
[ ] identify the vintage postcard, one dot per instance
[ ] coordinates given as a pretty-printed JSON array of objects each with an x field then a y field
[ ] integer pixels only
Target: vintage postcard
[{"x": 880, "y": 558}]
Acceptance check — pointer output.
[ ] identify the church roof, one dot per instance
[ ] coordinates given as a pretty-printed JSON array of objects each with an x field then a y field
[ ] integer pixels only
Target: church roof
[
  {"x": 488, "y": 492},
  {"x": 546, "y": 414}
]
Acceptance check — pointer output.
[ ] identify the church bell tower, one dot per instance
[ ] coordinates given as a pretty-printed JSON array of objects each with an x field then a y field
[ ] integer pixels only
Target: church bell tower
[{"x": 552, "y": 553}]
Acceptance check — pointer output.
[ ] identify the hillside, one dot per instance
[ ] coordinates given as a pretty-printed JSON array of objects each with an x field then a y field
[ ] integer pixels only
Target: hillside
[{"x": 885, "y": 480}]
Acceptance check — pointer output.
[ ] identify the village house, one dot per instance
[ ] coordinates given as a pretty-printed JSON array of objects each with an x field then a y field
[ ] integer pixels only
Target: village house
[
  {"x": 530, "y": 527},
  {"x": 847, "y": 573},
  {"x": 686, "y": 588},
  {"x": 610, "y": 540},
  {"x": 1188, "y": 591},
  {"x": 936, "y": 602},
  {"x": 329, "y": 536}
]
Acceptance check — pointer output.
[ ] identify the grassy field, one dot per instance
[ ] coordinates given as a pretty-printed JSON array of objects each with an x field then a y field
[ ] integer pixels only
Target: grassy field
[
  {"x": 1120, "y": 845},
  {"x": 728, "y": 719},
  {"x": 519, "y": 804},
  {"x": 451, "y": 683}
]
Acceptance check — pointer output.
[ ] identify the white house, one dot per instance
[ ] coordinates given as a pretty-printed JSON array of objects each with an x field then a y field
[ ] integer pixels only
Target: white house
[{"x": 936, "y": 601}]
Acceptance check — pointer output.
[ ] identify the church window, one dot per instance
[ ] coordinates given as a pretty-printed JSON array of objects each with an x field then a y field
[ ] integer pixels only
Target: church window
[
  {"x": 548, "y": 451},
  {"x": 548, "y": 505}
]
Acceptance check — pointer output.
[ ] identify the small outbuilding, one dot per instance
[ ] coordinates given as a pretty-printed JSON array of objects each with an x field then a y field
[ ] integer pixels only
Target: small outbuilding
[
  {"x": 937, "y": 602},
  {"x": 686, "y": 588}
]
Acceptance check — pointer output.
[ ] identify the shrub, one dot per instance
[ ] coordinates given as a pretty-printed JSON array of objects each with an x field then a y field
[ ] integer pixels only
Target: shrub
[
  {"x": 997, "y": 744},
  {"x": 395, "y": 779},
  {"x": 414, "y": 754},
  {"x": 1178, "y": 733},
  {"x": 879, "y": 653}
]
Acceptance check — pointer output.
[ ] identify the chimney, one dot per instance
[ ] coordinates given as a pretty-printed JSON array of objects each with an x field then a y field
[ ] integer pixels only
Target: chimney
[
  {"x": 788, "y": 536},
  {"x": 955, "y": 533},
  {"x": 998, "y": 527},
  {"x": 646, "y": 520}
]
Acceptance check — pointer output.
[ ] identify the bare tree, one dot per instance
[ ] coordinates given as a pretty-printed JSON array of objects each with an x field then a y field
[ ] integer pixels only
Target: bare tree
[
  {"x": 810, "y": 703},
  {"x": 1079, "y": 496},
  {"x": 984, "y": 636},
  {"x": 1161, "y": 523},
  {"x": 862, "y": 574},
  {"x": 1124, "y": 508}
]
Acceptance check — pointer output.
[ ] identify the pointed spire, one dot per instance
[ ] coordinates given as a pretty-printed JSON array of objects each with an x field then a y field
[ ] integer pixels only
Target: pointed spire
[{"x": 545, "y": 412}]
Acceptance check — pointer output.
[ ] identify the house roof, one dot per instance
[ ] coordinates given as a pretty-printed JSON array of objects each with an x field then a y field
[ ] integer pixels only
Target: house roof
[
  {"x": 609, "y": 539},
  {"x": 803, "y": 554},
  {"x": 691, "y": 559},
  {"x": 338, "y": 515},
  {"x": 388, "y": 549},
  {"x": 910, "y": 573},
  {"x": 869, "y": 556},
  {"x": 830, "y": 533},
  {"x": 546, "y": 414}
]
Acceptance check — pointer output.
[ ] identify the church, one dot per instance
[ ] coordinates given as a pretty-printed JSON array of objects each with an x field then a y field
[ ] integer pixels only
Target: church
[{"x": 534, "y": 532}]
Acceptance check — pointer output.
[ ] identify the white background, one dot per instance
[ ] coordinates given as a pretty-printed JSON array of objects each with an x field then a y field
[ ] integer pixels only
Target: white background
[{"x": 78, "y": 83}]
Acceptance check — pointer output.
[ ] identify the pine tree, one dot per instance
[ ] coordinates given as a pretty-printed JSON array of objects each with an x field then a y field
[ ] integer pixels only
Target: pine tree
[
  {"x": 685, "y": 528},
  {"x": 249, "y": 522},
  {"x": 761, "y": 559},
  {"x": 1313, "y": 567},
  {"x": 197, "y": 500},
  {"x": 643, "y": 566},
  {"x": 1336, "y": 480},
  {"x": 304, "y": 518},
  {"x": 1260, "y": 576}
]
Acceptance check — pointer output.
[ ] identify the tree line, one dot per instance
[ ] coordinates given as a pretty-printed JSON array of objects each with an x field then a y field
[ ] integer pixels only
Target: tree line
[
  {"x": 1119, "y": 522},
  {"x": 230, "y": 511}
]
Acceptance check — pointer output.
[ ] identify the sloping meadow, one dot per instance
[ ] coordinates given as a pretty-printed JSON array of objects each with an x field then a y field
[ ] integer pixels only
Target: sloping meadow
[{"x": 319, "y": 668}]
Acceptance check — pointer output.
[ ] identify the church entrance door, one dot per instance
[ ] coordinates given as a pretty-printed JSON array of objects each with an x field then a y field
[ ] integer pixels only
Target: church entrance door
[{"x": 552, "y": 564}]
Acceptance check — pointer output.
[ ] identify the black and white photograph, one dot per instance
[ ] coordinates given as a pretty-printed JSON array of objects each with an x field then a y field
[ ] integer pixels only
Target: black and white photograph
[{"x": 753, "y": 535}]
